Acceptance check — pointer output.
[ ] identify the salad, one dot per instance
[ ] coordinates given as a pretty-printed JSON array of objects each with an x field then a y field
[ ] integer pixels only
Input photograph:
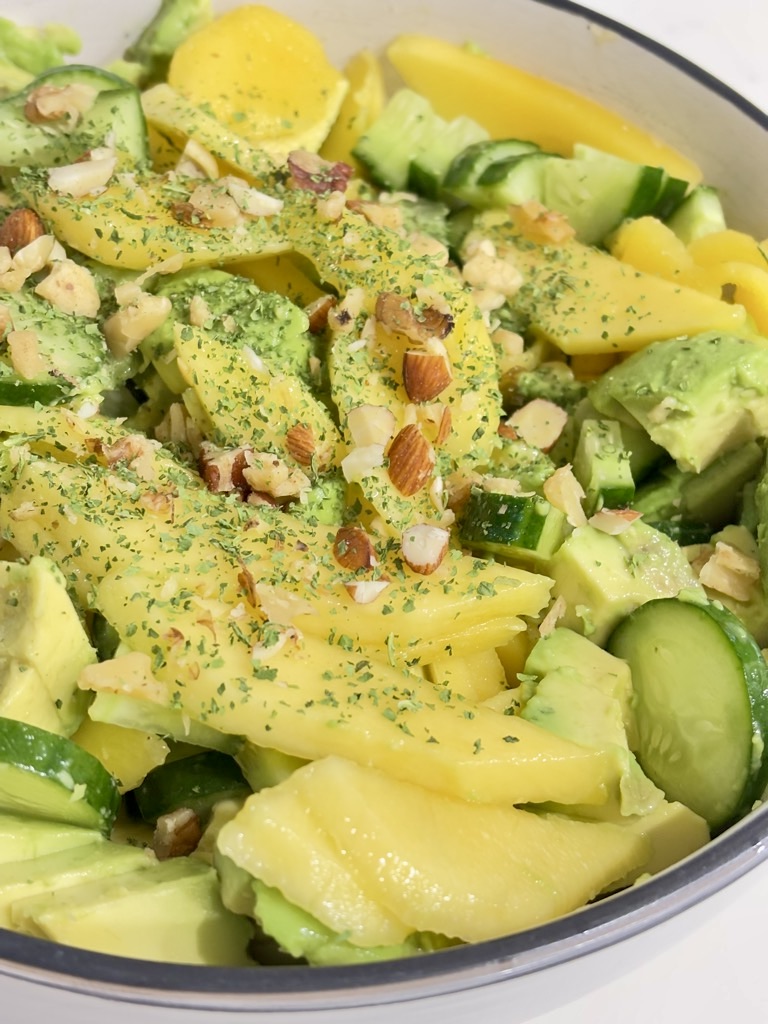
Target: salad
[{"x": 383, "y": 498}]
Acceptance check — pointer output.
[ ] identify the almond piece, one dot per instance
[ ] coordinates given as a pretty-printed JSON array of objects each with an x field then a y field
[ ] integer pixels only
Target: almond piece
[
  {"x": 20, "y": 228},
  {"x": 371, "y": 424},
  {"x": 614, "y": 520},
  {"x": 425, "y": 374},
  {"x": 424, "y": 547},
  {"x": 318, "y": 311},
  {"x": 397, "y": 313},
  {"x": 540, "y": 423},
  {"x": 353, "y": 548},
  {"x": 300, "y": 443},
  {"x": 411, "y": 460},
  {"x": 365, "y": 591}
]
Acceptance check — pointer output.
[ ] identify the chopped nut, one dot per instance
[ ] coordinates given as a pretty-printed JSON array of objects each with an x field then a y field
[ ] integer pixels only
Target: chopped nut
[
  {"x": 135, "y": 450},
  {"x": 539, "y": 423},
  {"x": 199, "y": 313},
  {"x": 424, "y": 547},
  {"x": 492, "y": 274},
  {"x": 54, "y": 103},
  {"x": 19, "y": 228},
  {"x": 24, "y": 351},
  {"x": 371, "y": 424},
  {"x": 197, "y": 162},
  {"x": 411, "y": 460},
  {"x": 730, "y": 572},
  {"x": 251, "y": 201},
  {"x": 216, "y": 204},
  {"x": 343, "y": 316},
  {"x": 222, "y": 468},
  {"x": 537, "y": 223},
  {"x": 176, "y": 834},
  {"x": 311, "y": 173},
  {"x": 86, "y": 177},
  {"x": 365, "y": 591},
  {"x": 564, "y": 491},
  {"x": 270, "y": 474},
  {"x": 71, "y": 288},
  {"x": 300, "y": 443},
  {"x": 425, "y": 374},
  {"x": 188, "y": 215},
  {"x": 318, "y": 311},
  {"x": 128, "y": 327},
  {"x": 353, "y": 548},
  {"x": 331, "y": 207},
  {"x": 444, "y": 430},
  {"x": 397, "y": 313},
  {"x": 614, "y": 520},
  {"x": 361, "y": 461},
  {"x": 378, "y": 214},
  {"x": 553, "y": 616}
]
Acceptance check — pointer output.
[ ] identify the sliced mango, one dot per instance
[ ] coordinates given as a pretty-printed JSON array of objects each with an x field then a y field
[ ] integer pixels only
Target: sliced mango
[
  {"x": 649, "y": 245},
  {"x": 534, "y": 867},
  {"x": 722, "y": 246},
  {"x": 128, "y": 754},
  {"x": 586, "y": 301},
  {"x": 264, "y": 76},
  {"x": 362, "y": 105},
  {"x": 510, "y": 102}
]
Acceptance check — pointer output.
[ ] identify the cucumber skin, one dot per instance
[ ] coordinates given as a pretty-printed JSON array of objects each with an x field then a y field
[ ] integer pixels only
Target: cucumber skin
[
  {"x": 755, "y": 671},
  {"x": 48, "y": 756}
]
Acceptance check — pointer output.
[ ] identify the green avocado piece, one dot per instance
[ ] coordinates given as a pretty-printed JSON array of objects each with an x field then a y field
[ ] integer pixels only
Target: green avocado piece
[
  {"x": 241, "y": 314},
  {"x": 584, "y": 694},
  {"x": 696, "y": 397},
  {"x": 34, "y": 50},
  {"x": 52, "y": 873},
  {"x": 170, "y": 913},
  {"x": 602, "y": 578},
  {"x": 174, "y": 21},
  {"x": 23, "y": 839},
  {"x": 43, "y": 647}
]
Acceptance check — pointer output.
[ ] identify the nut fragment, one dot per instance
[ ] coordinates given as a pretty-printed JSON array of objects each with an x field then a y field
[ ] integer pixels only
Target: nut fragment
[
  {"x": 425, "y": 374},
  {"x": 353, "y": 548},
  {"x": 312, "y": 173},
  {"x": 300, "y": 443},
  {"x": 19, "y": 228},
  {"x": 371, "y": 424},
  {"x": 50, "y": 103},
  {"x": 185, "y": 213},
  {"x": 424, "y": 547},
  {"x": 411, "y": 460},
  {"x": 318, "y": 311},
  {"x": 176, "y": 834},
  {"x": 419, "y": 323},
  {"x": 85, "y": 177},
  {"x": 614, "y": 520},
  {"x": 539, "y": 423},
  {"x": 222, "y": 468},
  {"x": 564, "y": 491},
  {"x": 541, "y": 225},
  {"x": 70, "y": 288},
  {"x": 365, "y": 591}
]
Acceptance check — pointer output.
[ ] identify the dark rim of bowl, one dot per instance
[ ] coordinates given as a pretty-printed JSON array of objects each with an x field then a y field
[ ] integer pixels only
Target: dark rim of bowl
[{"x": 603, "y": 923}]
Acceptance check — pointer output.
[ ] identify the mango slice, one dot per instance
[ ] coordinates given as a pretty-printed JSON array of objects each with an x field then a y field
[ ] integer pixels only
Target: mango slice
[
  {"x": 534, "y": 867},
  {"x": 362, "y": 105},
  {"x": 264, "y": 76},
  {"x": 511, "y": 103}
]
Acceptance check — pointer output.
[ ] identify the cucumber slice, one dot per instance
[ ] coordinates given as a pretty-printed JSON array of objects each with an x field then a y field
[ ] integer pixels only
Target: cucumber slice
[
  {"x": 699, "y": 214},
  {"x": 597, "y": 191},
  {"x": 43, "y": 775},
  {"x": 515, "y": 527},
  {"x": 197, "y": 782},
  {"x": 602, "y": 467},
  {"x": 515, "y": 180},
  {"x": 683, "y": 532},
  {"x": 464, "y": 173},
  {"x": 428, "y": 168},
  {"x": 400, "y": 132},
  {"x": 700, "y": 699}
]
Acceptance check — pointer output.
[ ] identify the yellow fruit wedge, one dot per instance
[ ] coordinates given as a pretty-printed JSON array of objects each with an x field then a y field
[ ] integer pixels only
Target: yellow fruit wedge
[
  {"x": 722, "y": 246},
  {"x": 433, "y": 862},
  {"x": 512, "y": 103},
  {"x": 264, "y": 76},
  {"x": 362, "y": 105}
]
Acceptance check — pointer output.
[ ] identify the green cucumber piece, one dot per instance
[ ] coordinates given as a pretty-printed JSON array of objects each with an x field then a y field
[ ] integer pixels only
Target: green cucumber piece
[
  {"x": 673, "y": 191},
  {"x": 700, "y": 213},
  {"x": 597, "y": 191},
  {"x": 700, "y": 697},
  {"x": 43, "y": 775},
  {"x": 396, "y": 137},
  {"x": 601, "y": 464},
  {"x": 513, "y": 527},
  {"x": 428, "y": 168},
  {"x": 198, "y": 782},
  {"x": 463, "y": 175},
  {"x": 683, "y": 532},
  {"x": 515, "y": 180}
]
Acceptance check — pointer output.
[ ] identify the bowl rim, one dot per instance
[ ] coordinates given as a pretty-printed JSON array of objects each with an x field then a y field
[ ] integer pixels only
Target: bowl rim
[{"x": 613, "y": 919}]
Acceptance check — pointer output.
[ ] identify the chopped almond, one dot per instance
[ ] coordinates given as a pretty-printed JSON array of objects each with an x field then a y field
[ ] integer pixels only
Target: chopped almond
[
  {"x": 564, "y": 492},
  {"x": 426, "y": 374},
  {"x": 24, "y": 351},
  {"x": 614, "y": 520},
  {"x": 71, "y": 289},
  {"x": 365, "y": 591},
  {"x": 411, "y": 460},
  {"x": 300, "y": 443},
  {"x": 539, "y": 224},
  {"x": 353, "y": 548},
  {"x": 730, "y": 572},
  {"x": 424, "y": 547},
  {"x": 371, "y": 424},
  {"x": 539, "y": 423},
  {"x": 19, "y": 228},
  {"x": 397, "y": 313}
]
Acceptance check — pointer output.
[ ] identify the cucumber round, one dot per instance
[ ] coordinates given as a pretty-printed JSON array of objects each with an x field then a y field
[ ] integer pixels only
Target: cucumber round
[
  {"x": 198, "y": 781},
  {"x": 700, "y": 699},
  {"x": 43, "y": 775}
]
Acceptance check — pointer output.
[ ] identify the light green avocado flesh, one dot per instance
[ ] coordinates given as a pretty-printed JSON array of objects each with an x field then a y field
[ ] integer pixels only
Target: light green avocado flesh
[{"x": 696, "y": 397}]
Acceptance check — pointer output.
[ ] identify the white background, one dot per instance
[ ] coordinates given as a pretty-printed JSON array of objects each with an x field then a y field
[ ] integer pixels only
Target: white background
[{"x": 708, "y": 964}]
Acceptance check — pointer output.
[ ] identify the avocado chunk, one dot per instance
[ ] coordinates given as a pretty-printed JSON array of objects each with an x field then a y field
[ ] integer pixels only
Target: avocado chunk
[
  {"x": 174, "y": 21},
  {"x": 23, "y": 839},
  {"x": 584, "y": 694},
  {"x": 602, "y": 578},
  {"x": 696, "y": 397},
  {"x": 52, "y": 873},
  {"x": 43, "y": 647},
  {"x": 170, "y": 913},
  {"x": 34, "y": 50}
]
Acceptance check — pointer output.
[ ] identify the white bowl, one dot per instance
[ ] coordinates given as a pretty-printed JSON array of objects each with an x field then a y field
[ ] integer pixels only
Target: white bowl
[{"x": 727, "y": 136}]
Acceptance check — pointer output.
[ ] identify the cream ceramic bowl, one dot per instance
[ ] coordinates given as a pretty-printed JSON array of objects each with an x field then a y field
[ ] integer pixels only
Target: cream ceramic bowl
[{"x": 729, "y": 138}]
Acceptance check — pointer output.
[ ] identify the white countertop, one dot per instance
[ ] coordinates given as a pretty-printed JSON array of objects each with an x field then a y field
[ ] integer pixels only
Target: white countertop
[{"x": 706, "y": 965}]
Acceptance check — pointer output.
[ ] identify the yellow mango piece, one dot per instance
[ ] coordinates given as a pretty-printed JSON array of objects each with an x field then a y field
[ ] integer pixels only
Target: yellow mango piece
[
  {"x": 585, "y": 301},
  {"x": 363, "y": 103},
  {"x": 647, "y": 244},
  {"x": 749, "y": 284},
  {"x": 441, "y": 864},
  {"x": 264, "y": 76},
  {"x": 128, "y": 754},
  {"x": 476, "y": 677},
  {"x": 282, "y": 274},
  {"x": 512, "y": 103},
  {"x": 726, "y": 246},
  {"x": 275, "y": 838}
]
